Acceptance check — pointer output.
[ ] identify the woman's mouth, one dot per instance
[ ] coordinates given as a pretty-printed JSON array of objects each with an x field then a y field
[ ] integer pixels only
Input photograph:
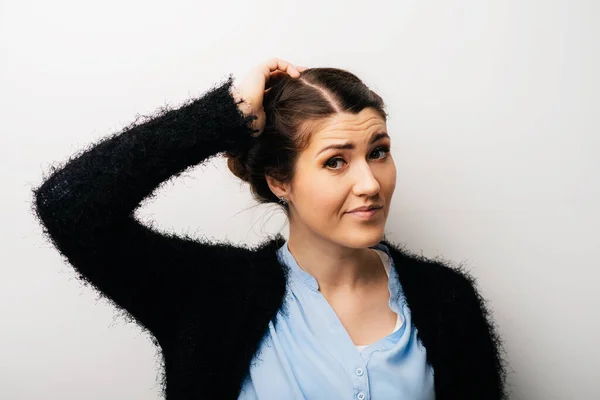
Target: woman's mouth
[{"x": 366, "y": 214}]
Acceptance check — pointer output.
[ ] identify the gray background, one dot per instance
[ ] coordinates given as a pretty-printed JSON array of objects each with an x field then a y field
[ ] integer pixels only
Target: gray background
[{"x": 494, "y": 122}]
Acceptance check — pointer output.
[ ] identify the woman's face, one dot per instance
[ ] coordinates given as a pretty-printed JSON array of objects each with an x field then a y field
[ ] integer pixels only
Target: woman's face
[{"x": 330, "y": 182}]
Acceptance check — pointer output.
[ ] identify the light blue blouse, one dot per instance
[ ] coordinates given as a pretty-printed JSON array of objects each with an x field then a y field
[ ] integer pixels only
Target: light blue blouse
[{"x": 311, "y": 356}]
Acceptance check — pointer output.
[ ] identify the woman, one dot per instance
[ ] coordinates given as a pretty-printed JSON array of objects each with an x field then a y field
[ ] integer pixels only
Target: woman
[{"x": 335, "y": 311}]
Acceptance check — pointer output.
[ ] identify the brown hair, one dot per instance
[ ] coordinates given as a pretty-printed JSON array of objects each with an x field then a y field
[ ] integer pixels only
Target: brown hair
[{"x": 294, "y": 108}]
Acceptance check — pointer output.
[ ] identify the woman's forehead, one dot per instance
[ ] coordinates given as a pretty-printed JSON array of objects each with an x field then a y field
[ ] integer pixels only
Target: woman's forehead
[{"x": 350, "y": 127}]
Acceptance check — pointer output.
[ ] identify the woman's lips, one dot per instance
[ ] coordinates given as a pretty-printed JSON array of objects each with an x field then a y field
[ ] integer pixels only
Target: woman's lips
[{"x": 366, "y": 214}]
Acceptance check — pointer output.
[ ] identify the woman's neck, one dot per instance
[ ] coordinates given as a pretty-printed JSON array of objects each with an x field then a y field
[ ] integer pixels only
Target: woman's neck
[{"x": 336, "y": 267}]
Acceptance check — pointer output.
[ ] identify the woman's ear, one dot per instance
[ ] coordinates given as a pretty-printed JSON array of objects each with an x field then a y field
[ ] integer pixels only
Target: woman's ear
[{"x": 277, "y": 187}]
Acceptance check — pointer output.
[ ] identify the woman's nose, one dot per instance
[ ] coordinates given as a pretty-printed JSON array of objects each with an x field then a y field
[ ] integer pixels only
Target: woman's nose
[{"x": 366, "y": 183}]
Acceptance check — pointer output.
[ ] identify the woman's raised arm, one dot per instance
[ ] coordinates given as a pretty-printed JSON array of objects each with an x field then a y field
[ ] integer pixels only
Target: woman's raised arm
[{"x": 87, "y": 208}]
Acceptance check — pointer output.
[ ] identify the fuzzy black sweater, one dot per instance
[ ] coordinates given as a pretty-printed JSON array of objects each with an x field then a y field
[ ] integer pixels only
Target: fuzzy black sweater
[{"x": 187, "y": 292}]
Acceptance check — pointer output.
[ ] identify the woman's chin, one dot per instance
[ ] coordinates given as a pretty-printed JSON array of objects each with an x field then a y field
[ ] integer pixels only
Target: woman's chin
[{"x": 365, "y": 237}]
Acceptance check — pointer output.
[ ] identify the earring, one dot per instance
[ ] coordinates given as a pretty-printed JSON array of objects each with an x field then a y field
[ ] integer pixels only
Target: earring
[{"x": 283, "y": 201}]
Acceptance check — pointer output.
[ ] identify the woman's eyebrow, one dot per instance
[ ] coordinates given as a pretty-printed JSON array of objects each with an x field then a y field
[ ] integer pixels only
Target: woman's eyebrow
[{"x": 350, "y": 145}]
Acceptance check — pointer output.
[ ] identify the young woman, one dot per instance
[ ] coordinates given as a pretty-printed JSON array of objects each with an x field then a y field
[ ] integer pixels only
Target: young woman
[{"x": 334, "y": 312}]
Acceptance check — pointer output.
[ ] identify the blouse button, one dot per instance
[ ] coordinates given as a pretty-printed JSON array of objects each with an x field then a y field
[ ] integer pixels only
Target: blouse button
[
  {"x": 359, "y": 371},
  {"x": 360, "y": 396}
]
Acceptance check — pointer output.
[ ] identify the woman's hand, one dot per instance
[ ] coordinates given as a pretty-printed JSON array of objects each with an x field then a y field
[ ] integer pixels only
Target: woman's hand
[{"x": 258, "y": 81}]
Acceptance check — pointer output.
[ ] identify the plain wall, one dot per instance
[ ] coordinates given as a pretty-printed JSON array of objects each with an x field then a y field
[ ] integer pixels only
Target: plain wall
[{"x": 494, "y": 117}]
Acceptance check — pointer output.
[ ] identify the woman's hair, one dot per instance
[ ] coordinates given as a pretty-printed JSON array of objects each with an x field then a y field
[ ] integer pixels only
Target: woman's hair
[{"x": 294, "y": 108}]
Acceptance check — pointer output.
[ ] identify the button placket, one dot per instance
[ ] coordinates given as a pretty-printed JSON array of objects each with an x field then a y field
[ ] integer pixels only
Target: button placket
[{"x": 361, "y": 380}]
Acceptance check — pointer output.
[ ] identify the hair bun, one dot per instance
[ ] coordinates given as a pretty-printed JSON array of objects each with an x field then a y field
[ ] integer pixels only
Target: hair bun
[{"x": 236, "y": 164}]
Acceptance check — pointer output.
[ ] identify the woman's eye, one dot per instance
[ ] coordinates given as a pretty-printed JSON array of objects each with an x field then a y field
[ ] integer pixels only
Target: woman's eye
[
  {"x": 329, "y": 162},
  {"x": 383, "y": 150}
]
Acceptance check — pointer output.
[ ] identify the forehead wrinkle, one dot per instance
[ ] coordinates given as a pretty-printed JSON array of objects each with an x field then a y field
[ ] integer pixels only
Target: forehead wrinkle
[
  {"x": 335, "y": 125},
  {"x": 342, "y": 134}
]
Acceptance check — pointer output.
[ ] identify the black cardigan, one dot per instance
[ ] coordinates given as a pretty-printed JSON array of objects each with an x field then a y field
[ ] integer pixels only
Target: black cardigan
[{"x": 187, "y": 292}]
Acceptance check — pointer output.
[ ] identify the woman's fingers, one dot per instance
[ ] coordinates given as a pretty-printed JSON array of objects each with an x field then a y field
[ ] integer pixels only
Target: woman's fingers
[
  {"x": 287, "y": 66},
  {"x": 278, "y": 68},
  {"x": 277, "y": 64}
]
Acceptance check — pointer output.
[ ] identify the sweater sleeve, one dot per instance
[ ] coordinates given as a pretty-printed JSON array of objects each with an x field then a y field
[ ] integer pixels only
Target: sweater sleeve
[
  {"x": 483, "y": 373},
  {"x": 87, "y": 209}
]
